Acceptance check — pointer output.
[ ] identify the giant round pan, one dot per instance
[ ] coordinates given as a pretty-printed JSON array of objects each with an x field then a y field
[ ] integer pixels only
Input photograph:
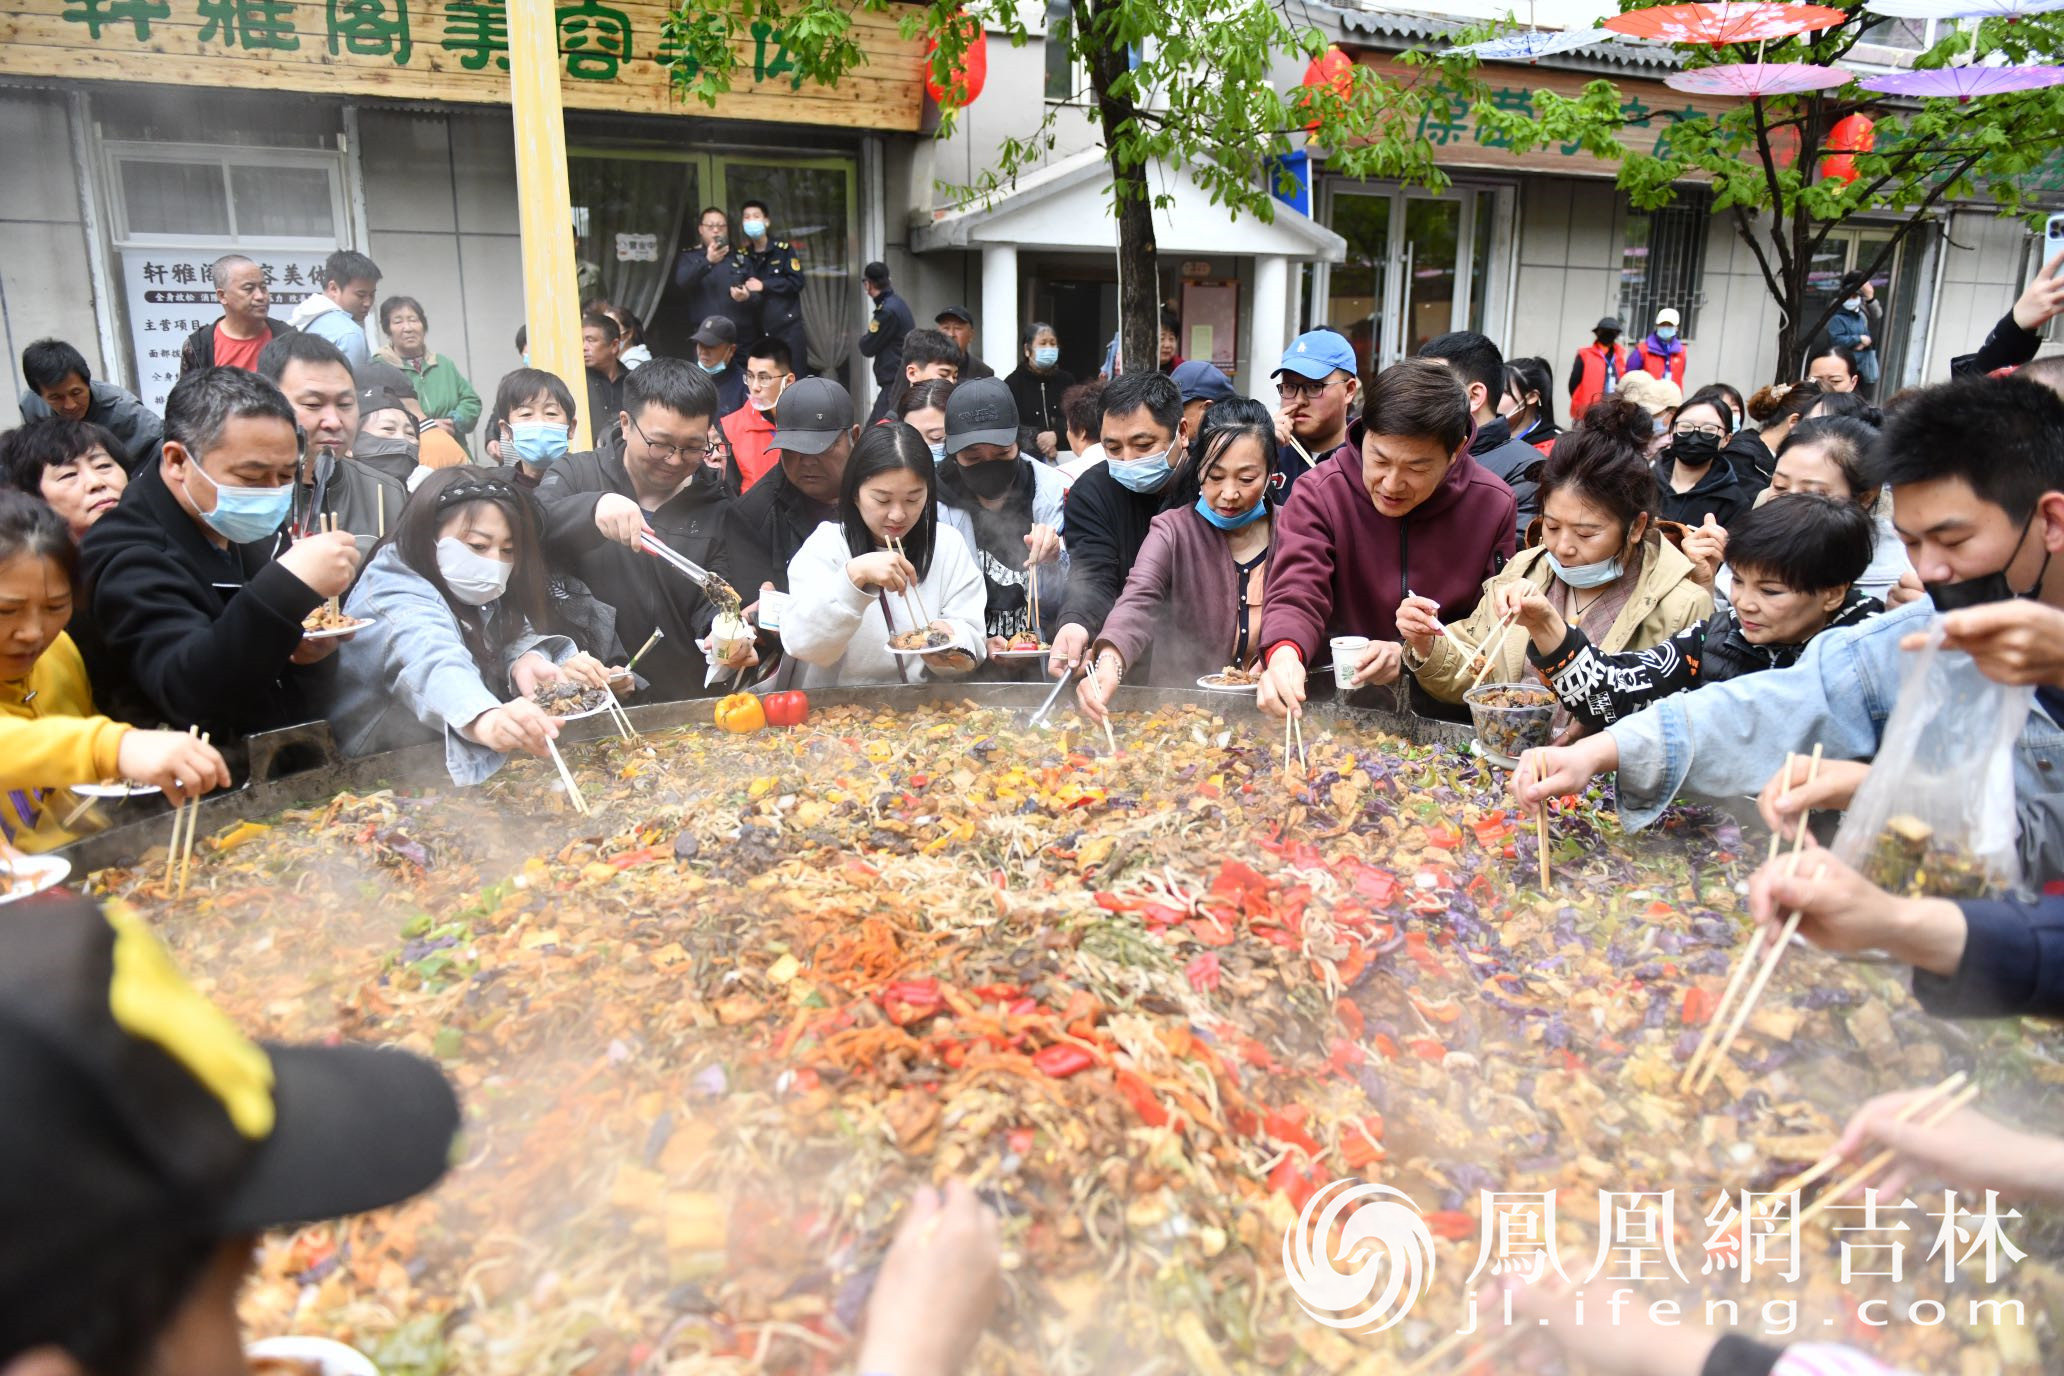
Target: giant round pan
[{"x": 300, "y": 766}]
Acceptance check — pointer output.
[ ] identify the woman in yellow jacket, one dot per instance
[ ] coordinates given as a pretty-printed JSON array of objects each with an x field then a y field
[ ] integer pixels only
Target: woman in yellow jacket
[
  {"x": 1601, "y": 564},
  {"x": 49, "y": 737}
]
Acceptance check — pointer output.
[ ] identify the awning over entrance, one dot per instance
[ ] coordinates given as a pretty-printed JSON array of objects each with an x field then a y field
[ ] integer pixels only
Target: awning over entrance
[{"x": 1067, "y": 207}]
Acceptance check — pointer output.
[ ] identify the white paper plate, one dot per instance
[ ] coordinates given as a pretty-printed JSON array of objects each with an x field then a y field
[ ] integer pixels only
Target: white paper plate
[
  {"x": 1021, "y": 654},
  {"x": 1210, "y": 684},
  {"x": 334, "y": 1358},
  {"x": 947, "y": 648},
  {"x": 32, "y": 874},
  {"x": 115, "y": 790},
  {"x": 332, "y": 634},
  {"x": 581, "y": 716}
]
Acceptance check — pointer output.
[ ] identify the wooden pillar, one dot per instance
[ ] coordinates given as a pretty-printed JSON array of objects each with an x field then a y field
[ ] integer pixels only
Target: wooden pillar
[{"x": 551, "y": 287}]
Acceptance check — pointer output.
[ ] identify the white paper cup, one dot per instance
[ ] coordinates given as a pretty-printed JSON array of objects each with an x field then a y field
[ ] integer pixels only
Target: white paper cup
[
  {"x": 1347, "y": 658},
  {"x": 772, "y": 603}
]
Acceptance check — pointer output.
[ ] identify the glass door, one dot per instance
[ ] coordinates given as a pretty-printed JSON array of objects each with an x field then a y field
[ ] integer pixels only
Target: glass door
[
  {"x": 633, "y": 214},
  {"x": 1852, "y": 249},
  {"x": 1417, "y": 266},
  {"x": 1432, "y": 248},
  {"x": 1357, "y": 288},
  {"x": 813, "y": 204}
]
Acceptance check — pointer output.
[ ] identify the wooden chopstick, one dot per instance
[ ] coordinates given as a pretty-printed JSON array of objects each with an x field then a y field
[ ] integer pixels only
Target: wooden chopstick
[
  {"x": 1110, "y": 737},
  {"x": 1771, "y": 958},
  {"x": 1541, "y": 833},
  {"x": 193, "y": 821},
  {"x": 573, "y": 792},
  {"x": 1883, "y": 1159},
  {"x": 1735, "y": 981},
  {"x": 65, "y": 823},
  {"x": 1493, "y": 644},
  {"x": 622, "y": 720}
]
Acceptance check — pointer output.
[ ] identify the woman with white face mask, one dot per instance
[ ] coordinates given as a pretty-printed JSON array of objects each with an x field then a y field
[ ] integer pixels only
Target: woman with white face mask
[
  {"x": 453, "y": 595},
  {"x": 1600, "y": 565}
]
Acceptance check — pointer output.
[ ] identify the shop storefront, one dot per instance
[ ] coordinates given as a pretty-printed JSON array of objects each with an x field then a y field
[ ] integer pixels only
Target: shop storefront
[{"x": 383, "y": 126}]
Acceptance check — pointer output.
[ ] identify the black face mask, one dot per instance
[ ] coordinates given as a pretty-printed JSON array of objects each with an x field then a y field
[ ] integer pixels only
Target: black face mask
[
  {"x": 1991, "y": 587},
  {"x": 991, "y": 478},
  {"x": 1607, "y": 338},
  {"x": 1694, "y": 450}
]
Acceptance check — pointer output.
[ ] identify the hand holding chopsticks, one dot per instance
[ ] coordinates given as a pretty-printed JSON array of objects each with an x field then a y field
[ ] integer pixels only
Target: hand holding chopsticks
[
  {"x": 185, "y": 818},
  {"x": 911, "y": 597}
]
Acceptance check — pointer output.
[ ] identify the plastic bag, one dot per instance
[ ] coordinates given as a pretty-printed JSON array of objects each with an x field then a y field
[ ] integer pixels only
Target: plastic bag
[{"x": 1936, "y": 814}]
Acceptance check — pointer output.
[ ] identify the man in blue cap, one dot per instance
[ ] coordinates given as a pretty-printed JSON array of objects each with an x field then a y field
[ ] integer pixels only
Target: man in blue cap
[{"x": 1318, "y": 387}]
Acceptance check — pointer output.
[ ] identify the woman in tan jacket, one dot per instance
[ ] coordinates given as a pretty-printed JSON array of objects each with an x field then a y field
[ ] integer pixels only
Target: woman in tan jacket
[{"x": 1601, "y": 564}]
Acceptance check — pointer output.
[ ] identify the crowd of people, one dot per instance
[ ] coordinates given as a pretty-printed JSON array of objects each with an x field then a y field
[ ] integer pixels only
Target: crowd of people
[{"x": 1705, "y": 582}]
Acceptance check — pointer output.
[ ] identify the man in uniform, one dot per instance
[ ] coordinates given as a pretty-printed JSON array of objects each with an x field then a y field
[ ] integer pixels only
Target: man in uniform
[
  {"x": 883, "y": 341},
  {"x": 714, "y": 276},
  {"x": 773, "y": 283}
]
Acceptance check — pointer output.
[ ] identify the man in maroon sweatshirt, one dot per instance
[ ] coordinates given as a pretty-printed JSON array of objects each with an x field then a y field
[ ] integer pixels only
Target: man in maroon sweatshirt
[{"x": 1405, "y": 511}]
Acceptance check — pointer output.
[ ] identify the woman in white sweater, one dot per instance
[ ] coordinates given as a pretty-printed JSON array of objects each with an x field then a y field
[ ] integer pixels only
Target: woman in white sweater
[{"x": 849, "y": 591}]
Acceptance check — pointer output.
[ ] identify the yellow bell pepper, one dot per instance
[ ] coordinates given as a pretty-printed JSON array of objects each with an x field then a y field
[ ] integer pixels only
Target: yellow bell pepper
[{"x": 741, "y": 713}]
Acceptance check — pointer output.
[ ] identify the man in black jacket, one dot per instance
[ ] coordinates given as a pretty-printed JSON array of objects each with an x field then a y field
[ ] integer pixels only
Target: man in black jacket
[
  {"x": 883, "y": 341},
  {"x": 663, "y": 475},
  {"x": 1111, "y": 505},
  {"x": 713, "y": 274},
  {"x": 774, "y": 284},
  {"x": 235, "y": 339},
  {"x": 196, "y": 589},
  {"x": 1476, "y": 361},
  {"x": 814, "y": 433}
]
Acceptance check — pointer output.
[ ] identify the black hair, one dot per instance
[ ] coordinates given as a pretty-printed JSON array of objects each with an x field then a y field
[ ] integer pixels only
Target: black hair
[
  {"x": 929, "y": 394},
  {"x": 672, "y": 384},
  {"x": 522, "y": 338},
  {"x": 774, "y": 351},
  {"x": 633, "y": 327},
  {"x": 1841, "y": 351},
  {"x": 1083, "y": 406},
  {"x": 1473, "y": 357},
  {"x": 1525, "y": 375},
  {"x": 1170, "y": 321},
  {"x": 1735, "y": 403},
  {"x": 348, "y": 265},
  {"x": 107, "y": 1307},
  {"x": 710, "y": 210},
  {"x": 1808, "y": 541},
  {"x": 1605, "y": 461},
  {"x": 28, "y": 526},
  {"x": 1033, "y": 331},
  {"x": 414, "y": 538},
  {"x": 25, "y": 452},
  {"x": 601, "y": 320},
  {"x": 205, "y": 401},
  {"x": 1720, "y": 397},
  {"x": 1848, "y": 406},
  {"x": 922, "y": 347},
  {"x": 1418, "y": 398},
  {"x": 1846, "y": 442},
  {"x": 395, "y": 303},
  {"x": 744, "y": 206},
  {"x": 1224, "y": 422},
  {"x": 522, "y": 385},
  {"x": 1155, "y": 391},
  {"x": 2002, "y": 436},
  {"x": 48, "y": 362},
  {"x": 303, "y": 347},
  {"x": 1771, "y": 405},
  {"x": 884, "y": 449}
]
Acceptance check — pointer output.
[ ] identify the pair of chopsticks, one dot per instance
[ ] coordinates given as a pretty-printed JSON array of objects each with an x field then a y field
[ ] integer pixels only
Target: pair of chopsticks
[
  {"x": 1032, "y": 600},
  {"x": 911, "y": 598},
  {"x": 1293, "y": 731},
  {"x": 1702, "y": 1065},
  {"x": 1541, "y": 824},
  {"x": 573, "y": 793},
  {"x": 328, "y": 525},
  {"x": 185, "y": 818},
  {"x": 1493, "y": 645},
  {"x": 1110, "y": 737},
  {"x": 619, "y": 716}
]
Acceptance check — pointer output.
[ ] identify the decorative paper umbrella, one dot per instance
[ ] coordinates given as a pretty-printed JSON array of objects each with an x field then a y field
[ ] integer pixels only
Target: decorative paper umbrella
[
  {"x": 1525, "y": 47},
  {"x": 1963, "y": 83},
  {"x": 1750, "y": 79},
  {"x": 1726, "y": 21},
  {"x": 1961, "y": 9}
]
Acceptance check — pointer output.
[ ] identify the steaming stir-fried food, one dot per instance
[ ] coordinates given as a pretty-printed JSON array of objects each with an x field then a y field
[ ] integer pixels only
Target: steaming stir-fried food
[
  {"x": 1233, "y": 676},
  {"x": 710, "y": 1038},
  {"x": 566, "y": 698},
  {"x": 923, "y": 638},
  {"x": 329, "y": 618}
]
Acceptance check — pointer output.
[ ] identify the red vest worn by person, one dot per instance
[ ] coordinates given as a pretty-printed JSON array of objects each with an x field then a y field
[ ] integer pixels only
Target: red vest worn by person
[{"x": 1595, "y": 363}]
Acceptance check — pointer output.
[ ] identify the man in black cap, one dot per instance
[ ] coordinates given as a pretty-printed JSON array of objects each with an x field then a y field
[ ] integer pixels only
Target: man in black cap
[
  {"x": 716, "y": 349},
  {"x": 957, "y": 325},
  {"x": 1599, "y": 367},
  {"x": 146, "y": 1142},
  {"x": 1007, "y": 507},
  {"x": 883, "y": 341},
  {"x": 814, "y": 434}
]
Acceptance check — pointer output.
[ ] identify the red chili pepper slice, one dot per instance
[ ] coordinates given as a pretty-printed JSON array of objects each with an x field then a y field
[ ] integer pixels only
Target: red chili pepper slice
[{"x": 1061, "y": 1061}]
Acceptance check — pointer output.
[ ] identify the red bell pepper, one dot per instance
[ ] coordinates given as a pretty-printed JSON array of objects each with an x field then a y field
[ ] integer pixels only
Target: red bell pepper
[{"x": 787, "y": 709}]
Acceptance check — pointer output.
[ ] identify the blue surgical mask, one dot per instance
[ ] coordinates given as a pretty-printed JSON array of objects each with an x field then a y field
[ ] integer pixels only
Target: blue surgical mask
[
  {"x": 539, "y": 443},
  {"x": 1223, "y": 522},
  {"x": 754, "y": 228},
  {"x": 711, "y": 368},
  {"x": 1141, "y": 475},
  {"x": 1666, "y": 332},
  {"x": 1854, "y": 303},
  {"x": 1046, "y": 356},
  {"x": 243, "y": 515},
  {"x": 938, "y": 452},
  {"x": 1587, "y": 575}
]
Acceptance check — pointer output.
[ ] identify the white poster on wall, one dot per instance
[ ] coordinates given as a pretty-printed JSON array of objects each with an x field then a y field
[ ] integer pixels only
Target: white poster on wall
[{"x": 169, "y": 296}]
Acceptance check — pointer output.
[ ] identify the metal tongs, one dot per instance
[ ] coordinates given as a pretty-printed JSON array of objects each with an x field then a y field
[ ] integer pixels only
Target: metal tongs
[{"x": 716, "y": 589}]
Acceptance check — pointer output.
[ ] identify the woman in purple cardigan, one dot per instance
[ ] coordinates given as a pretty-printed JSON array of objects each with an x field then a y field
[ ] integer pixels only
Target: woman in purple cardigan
[{"x": 1194, "y": 594}]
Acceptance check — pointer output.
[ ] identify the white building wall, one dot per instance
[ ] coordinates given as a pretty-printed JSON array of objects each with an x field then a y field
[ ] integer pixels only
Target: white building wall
[
  {"x": 1986, "y": 262},
  {"x": 45, "y": 288}
]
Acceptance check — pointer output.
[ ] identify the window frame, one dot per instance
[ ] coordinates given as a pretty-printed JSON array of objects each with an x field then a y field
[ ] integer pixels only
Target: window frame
[
  {"x": 224, "y": 159},
  {"x": 1695, "y": 205}
]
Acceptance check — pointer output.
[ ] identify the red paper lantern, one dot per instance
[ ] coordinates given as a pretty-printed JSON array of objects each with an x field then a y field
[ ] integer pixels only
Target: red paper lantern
[
  {"x": 967, "y": 79},
  {"x": 1334, "y": 71},
  {"x": 1850, "y": 135},
  {"x": 1784, "y": 145}
]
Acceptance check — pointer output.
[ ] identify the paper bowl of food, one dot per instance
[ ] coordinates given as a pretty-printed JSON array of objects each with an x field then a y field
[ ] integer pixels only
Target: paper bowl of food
[
  {"x": 729, "y": 635},
  {"x": 1510, "y": 719}
]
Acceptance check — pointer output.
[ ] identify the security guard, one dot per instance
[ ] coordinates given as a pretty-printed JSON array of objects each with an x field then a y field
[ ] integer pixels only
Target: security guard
[
  {"x": 774, "y": 282},
  {"x": 883, "y": 341}
]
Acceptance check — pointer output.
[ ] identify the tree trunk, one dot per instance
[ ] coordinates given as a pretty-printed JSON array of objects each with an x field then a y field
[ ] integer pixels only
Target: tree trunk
[{"x": 1139, "y": 280}]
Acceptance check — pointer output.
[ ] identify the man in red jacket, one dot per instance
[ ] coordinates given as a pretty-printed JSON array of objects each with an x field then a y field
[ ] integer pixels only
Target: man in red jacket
[
  {"x": 1599, "y": 367},
  {"x": 1406, "y": 511}
]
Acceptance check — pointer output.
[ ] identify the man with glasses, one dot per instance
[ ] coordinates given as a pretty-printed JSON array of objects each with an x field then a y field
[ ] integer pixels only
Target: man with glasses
[
  {"x": 1317, "y": 387},
  {"x": 769, "y": 371},
  {"x": 661, "y": 474}
]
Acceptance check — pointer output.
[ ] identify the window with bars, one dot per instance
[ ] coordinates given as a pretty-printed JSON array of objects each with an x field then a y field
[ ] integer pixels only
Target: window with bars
[{"x": 1663, "y": 262}]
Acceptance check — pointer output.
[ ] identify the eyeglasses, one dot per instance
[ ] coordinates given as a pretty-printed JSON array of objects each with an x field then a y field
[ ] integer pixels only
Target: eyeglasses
[
  {"x": 1307, "y": 391},
  {"x": 1710, "y": 431},
  {"x": 763, "y": 379},
  {"x": 667, "y": 453}
]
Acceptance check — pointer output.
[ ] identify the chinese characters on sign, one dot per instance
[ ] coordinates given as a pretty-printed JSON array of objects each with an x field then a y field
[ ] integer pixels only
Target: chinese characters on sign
[
  {"x": 1447, "y": 121},
  {"x": 170, "y": 295}
]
